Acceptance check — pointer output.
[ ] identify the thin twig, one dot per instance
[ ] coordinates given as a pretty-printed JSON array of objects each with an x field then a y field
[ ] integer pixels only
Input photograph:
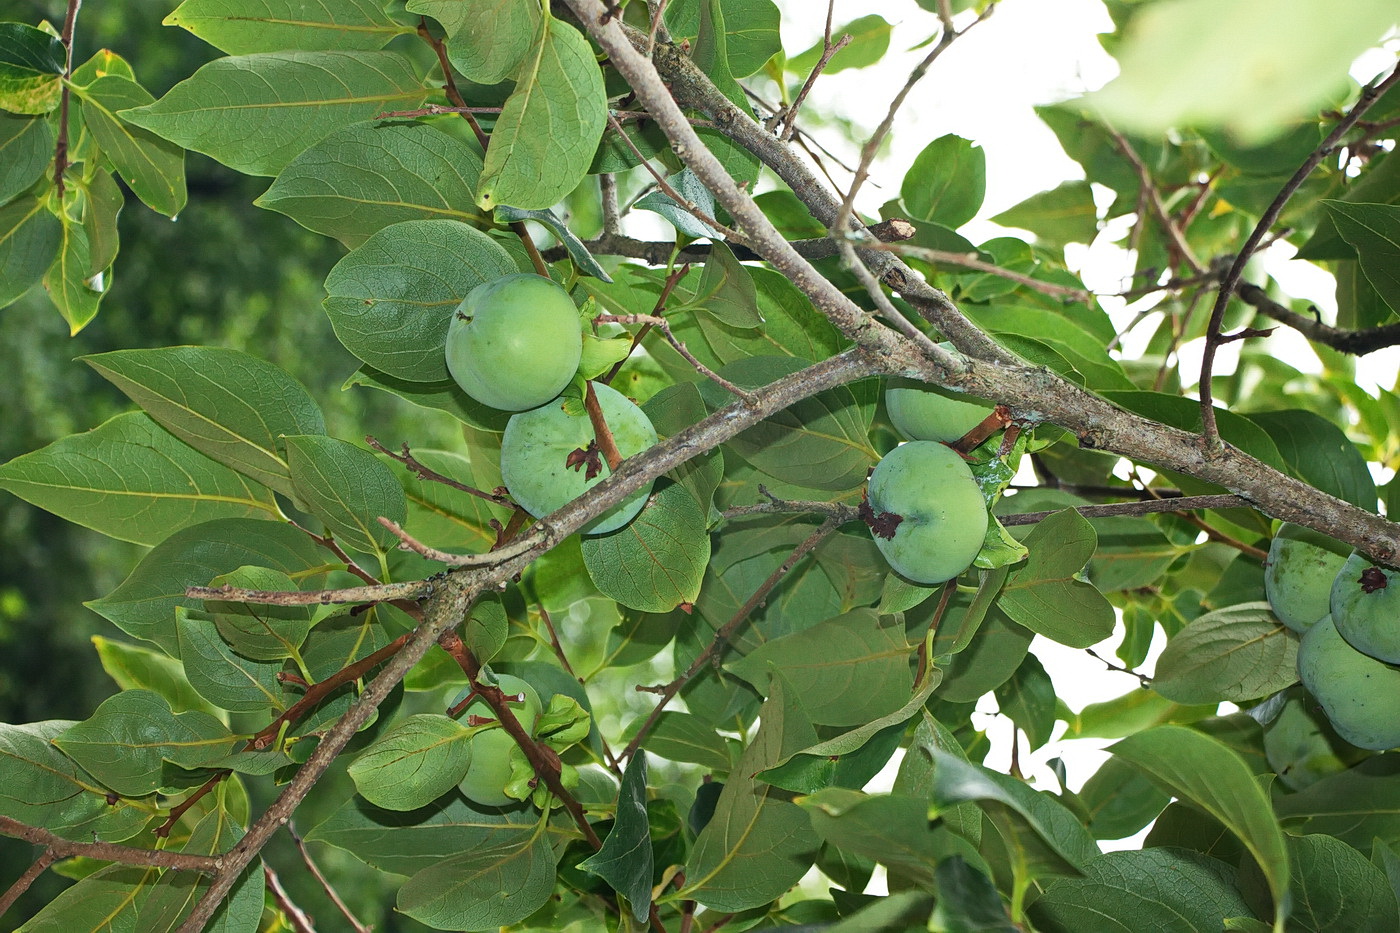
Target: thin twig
[
  {"x": 322, "y": 689},
  {"x": 893, "y": 315},
  {"x": 24, "y": 881},
  {"x": 658, "y": 25},
  {"x": 60, "y": 848},
  {"x": 683, "y": 202},
  {"x": 163, "y": 830},
  {"x": 1210, "y": 434},
  {"x": 1356, "y": 342},
  {"x": 661, "y": 323},
  {"x": 658, "y": 310},
  {"x": 60, "y": 152},
  {"x": 663, "y": 252},
  {"x": 416, "y": 467},
  {"x": 500, "y": 554},
  {"x": 1154, "y": 198},
  {"x": 607, "y": 193},
  {"x": 970, "y": 261},
  {"x": 727, "y": 630},
  {"x": 326, "y": 886},
  {"x": 300, "y": 922},
  {"x": 602, "y": 434},
  {"x": 788, "y": 119}
]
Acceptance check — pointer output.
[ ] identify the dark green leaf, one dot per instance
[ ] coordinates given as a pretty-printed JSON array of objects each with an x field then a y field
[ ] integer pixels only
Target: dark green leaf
[
  {"x": 1063, "y": 215},
  {"x": 30, "y": 238},
  {"x": 31, "y": 61},
  {"x": 726, "y": 291},
  {"x": 1240, "y": 653},
  {"x": 625, "y": 861},
  {"x": 415, "y": 762},
  {"x": 751, "y": 30},
  {"x": 348, "y": 488},
  {"x": 683, "y": 737},
  {"x": 657, "y": 561},
  {"x": 26, "y": 148},
  {"x": 579, "y": 253},
  {"x": 260, "y": 632},
  {"x": 151, "y": 167},
  {"x": 1045, "y": 595},
  {"x": 219, "y": 674},
  {"x": 131, "y": 479}
]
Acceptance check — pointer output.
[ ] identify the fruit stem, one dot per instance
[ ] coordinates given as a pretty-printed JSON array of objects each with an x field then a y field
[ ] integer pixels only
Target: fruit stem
[{"x": 606, "y": 445}]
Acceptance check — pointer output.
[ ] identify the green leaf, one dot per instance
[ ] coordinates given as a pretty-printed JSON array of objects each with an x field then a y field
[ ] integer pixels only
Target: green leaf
[
  {"x": 845, "y": 671},
  {"x": 1065, "y": 214},
  {"x": 1028, "y": 700},
  {"x": 127, "y": 738},
  {"x": 348, "y": 488},
  {"x": 757, "y": 844},
  {"x": 30, "y": 238},
  {"x": 219, "y": 674},
  {"x": 240, "y": 27},
  {"x": 892, "y": 830},
  {"x": 486, "y": 42},
  {"x": 26, "y": 149},
  {"x": 260, "y": 632},
  {"x": 946, "y": 183},
  {"x": 492, "y": 885},
  {"x": 1263, "y": 65},
  {"x": 255, "y": 113},
  {"x": 1334, "y": 887},
  {"x": 684, "y": 737},
  {"x": 990, "y": 659},
  {"x": 132, "y": 480},
  {"x": 551, "y": 221},
  {"x": 152, "y": 168},
  {"x": 412, "y": 764},
  {"x": 545, "y": 137},
  {"x": 366, "y": 176},
  {"x": 1374, "y": 231},
  {"x": 750, "y": 30},
  {"x": 625, "y": 861},
  {"x": 107, "y": 901},
  {"x": 134, "y": 667},
  {"x": 1161, "y": 890},
  {"x": 1320, "y": 452},
  {"x": 445, "y": 517},
  {"x": 440, "y": 395},
  {"x": 726, "y": 291},
  {"x": 1045, "y": 595},
  {"x": 821, "y": 442},
  {"x": 44, "y": 787},
  {"x": 143, "y": 605},
  {"x": 1120, "y": 800},
  {"x": 710, "y": 53},
  {"x": 1357, "y": 805},
  {"x": 968, "y": 902},
  {"x": 391, "y": 299},
  {"x": 104, "y": 202},
  {"x": 1072, "y": 333},
  {"x": 31, "y": 63},
  {"x": 1205, "y": 773},
  {"x": 870, "y": 40},
  {"x": 692, "y": 189},
  {"x": 1042, "y": 837},
  {"x": 224, "y": 403},
  {"x": 177, "y": 892},
  {"x": 1238, "y": 653},
  {"x": 72, "y": 285},
  {"x": 655, "y": 562},
  {"x": 408, "y": 842}
]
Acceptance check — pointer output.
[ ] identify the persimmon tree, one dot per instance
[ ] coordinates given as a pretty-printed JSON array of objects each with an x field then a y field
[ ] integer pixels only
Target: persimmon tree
[{"x": 658, "y": 701}]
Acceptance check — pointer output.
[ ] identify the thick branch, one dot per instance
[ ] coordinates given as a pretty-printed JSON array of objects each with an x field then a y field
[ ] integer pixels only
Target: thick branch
[{"x": 1177, "y": 504}]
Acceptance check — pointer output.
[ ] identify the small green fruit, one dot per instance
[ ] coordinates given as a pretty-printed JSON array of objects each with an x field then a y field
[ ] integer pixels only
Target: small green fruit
[
  {"x": 928, "y": 515},
  {"x": 1302, "y": 747},
  {"x": 489, "y": 771},
  {"x": 924, "y": 412},
  {"x": 1358, "y": 693},
  {"x": 515, "y": 342},
  {"x": 1366, "y": 607},
  {"x": 538, "y": 447},
  {"x": 1298, "y": 574}
]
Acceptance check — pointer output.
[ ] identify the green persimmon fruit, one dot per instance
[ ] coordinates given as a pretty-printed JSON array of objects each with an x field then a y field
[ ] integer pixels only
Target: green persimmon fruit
[
  {"x": 1365, "y": 606},
  {"x": 923, "y": 412},
  {"x": 1358, "y": 693},
  {"x": 542, "y": 471},
  {"x": 515, "y": 342},
  {"x": 489, "y": 771},
  {"x": 1298, "y": 574},
  {"x": 1302, "y": 746},
  {"x": 927, "y": 513}
]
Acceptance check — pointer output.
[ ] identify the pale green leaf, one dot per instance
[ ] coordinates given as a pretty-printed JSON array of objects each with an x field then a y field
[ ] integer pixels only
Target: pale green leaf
[
  {"x": 1238, "y": 653},
  {"x": 240, "y": 27},
  {"x": 656, "y": 561},
  {"x": 152, "y": 168},
  {"x": 412, "y": 764}
]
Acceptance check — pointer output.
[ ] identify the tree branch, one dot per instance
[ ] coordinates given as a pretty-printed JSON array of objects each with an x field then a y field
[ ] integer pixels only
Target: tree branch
[
  {"x": 1369, "y": 95},
  {"x": 61, "y": 848},
  {"x": 1355, "y": 342},
  {"x": 663, "y": 253}
]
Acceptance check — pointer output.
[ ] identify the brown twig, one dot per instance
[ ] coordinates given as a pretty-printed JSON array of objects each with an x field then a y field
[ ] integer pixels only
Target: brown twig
[
  {"x": 60, "y": 848},
  {"x": 24, "y": 881},
  {"x": 607, "y": 194},
  {"x": 1143, "y": 679},
  {"x": 416, "y": 467},
  {"x": 296, "y": 917},
  {"x": 970, "y": 261},
  {"x": 459, "y": 105},
  {"x": 326, "y": 886},
  {"x": 685, "y": 204},
  {"x": 657, "y": 311},
  {"x": 1154, "y": 198},
  {"x": 601, "y": 432},
  {"x": 1355, "y": 342},
  {"x": 727, "y": 630},
  {"x": 1210, "y": 434},
  {"x": 651, "y": 320},
  {"x": 322, "y": 689},
  {"x": 503, "y": 551},
  {"x": 177, "y": 812}
]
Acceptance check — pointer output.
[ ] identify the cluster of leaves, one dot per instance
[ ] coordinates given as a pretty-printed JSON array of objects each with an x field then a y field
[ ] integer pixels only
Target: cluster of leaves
[{"x": 804, "y": 664}]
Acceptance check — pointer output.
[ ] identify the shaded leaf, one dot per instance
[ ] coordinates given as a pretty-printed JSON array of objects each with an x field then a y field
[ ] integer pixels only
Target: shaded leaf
[
  {"x": 348, "y": 488},
  {"x": 625, "y": 860},
  {"x": 1045, "y": 595},
  {"x": 152, "y": 168},
  {"x": 657, "y": 561},
  {"x": 1239, "y": 653},
  {"x": 238, "y": 27}
]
